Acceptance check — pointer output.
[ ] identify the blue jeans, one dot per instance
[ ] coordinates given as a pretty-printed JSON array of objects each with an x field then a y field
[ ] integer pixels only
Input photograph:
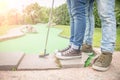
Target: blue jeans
[
  {"x": 76, "y": 10},
  {"x": 108, "y": 21}
]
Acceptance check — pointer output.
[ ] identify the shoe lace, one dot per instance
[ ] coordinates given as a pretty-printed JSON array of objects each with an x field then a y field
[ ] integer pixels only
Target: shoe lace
[
  {"x": 68, "y": 51},
  {"x": 101, "y": 58}
]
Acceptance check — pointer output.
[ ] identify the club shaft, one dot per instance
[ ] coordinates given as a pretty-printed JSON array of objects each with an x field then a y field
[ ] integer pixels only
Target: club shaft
[{"x": 49, "y": 24}]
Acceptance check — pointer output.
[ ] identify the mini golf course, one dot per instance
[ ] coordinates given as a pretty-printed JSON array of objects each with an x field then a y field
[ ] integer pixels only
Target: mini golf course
[{"x": 34, "y": 43}]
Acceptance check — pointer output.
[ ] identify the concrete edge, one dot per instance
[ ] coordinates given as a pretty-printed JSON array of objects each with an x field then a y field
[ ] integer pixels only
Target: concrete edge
[{"x": 20, "y": 61}]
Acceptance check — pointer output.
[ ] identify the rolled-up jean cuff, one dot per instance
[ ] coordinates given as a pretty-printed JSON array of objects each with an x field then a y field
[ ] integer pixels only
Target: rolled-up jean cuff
[
  {"x": 105, "y": 51},
  {"x": 75, "y": 46}
]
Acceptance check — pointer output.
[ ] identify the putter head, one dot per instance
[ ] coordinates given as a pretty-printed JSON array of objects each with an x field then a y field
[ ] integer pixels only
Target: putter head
[{"x": 43, "y": 55}]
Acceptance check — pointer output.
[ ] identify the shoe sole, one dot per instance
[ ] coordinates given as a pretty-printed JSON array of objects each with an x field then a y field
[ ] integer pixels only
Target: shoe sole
[
  {"x": 88, "y": 52},
  {"x": 59, "y": 56},
  {"x": 68, "y": 58},
  {"x": 100, "y": 68}
]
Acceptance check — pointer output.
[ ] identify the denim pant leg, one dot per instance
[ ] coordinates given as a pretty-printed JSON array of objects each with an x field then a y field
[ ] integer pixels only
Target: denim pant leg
[
  {"x": 88, "y": 38},
  {"x": 71, "y": 22},
  {"x": 79, "y": 19},
  {"x": 107, "y": 16}
]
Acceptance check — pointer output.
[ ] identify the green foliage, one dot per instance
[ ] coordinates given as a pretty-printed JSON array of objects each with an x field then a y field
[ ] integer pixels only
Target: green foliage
[
  {"x": 117, "y": 10},
  {"x": 118, "y": 17},
  {"x": 61, "y": 15},
  {"x": 117, "y": 3}
]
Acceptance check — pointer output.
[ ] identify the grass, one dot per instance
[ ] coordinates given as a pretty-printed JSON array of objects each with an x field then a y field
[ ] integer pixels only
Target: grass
[
  {"x": 65, "y": 30},
  {"x": 97, "y": 35}
]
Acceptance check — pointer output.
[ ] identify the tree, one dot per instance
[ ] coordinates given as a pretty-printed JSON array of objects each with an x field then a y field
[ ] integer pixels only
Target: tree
[
  {"x": 61, "y": 15},
  {"x": 117, "y": 10}
]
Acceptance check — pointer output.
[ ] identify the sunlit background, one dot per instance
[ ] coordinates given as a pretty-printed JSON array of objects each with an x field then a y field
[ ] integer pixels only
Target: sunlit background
[{"x": 6, "y": 5}]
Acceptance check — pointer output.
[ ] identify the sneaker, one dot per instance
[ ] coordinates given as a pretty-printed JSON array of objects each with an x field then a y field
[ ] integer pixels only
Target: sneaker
[
  {"x": 88, "y": 49},
  {"x": 102, "y": 63},
  {"x": 69, "y": 54},
  {"x": 63, "y": 50}
]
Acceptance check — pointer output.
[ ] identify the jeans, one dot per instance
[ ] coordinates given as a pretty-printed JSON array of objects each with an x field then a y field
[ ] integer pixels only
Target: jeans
[
  {"x": 76, "y": 10},
  {"x": 108, "y": 22},
  {"x": 88, "y": 39}
]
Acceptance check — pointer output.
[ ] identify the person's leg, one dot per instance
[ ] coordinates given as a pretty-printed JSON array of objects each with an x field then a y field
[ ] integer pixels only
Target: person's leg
[
  {"x": 78, "y": 14},
  {"x": 77, "y": 31},
  {"x": 107, "y": 16},
  {"x": 88, "y": 38}
]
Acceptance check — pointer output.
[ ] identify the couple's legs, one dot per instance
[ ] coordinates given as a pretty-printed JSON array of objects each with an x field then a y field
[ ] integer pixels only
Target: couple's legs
[
  {"x": 77, "y": 10},
  {"x": 107, "y": 16}
]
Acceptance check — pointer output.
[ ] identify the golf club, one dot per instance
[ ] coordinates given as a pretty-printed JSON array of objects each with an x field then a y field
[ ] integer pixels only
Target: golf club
[{"x": 49, "y": 24}]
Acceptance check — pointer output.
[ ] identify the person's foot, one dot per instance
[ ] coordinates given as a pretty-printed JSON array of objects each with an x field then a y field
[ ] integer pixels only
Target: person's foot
[
  {"x": 69, "y": 54},
  {"x": 63, "y": 50},
  {"x": 88, "y": 49},
  {"x": 102, "y": 63}
]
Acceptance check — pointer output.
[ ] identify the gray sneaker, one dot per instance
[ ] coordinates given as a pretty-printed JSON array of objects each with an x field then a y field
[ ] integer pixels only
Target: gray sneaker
[
  {"x": 69, "y": 54},
  {"x": 102, "y": 63}
]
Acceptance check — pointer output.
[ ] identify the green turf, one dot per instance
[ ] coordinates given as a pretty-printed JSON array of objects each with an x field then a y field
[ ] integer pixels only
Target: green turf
[{"x": 34, "y": 43}]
